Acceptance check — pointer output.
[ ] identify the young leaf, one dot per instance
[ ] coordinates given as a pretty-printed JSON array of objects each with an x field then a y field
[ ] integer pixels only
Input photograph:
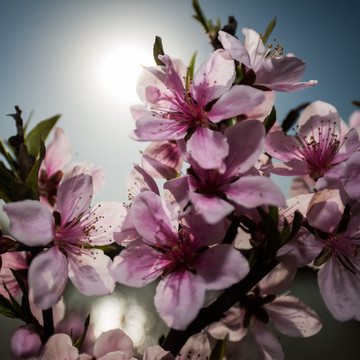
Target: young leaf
[
  {"x": 218, "y": 351},
  {"x": 158, "y": 50},
  {"x": 270, "y": 120},
  {"x": 356, "y": 103},
  {"x": 41, "y": 130},
  {"x": 292, "y": 117},
  {"x": 269, "y": 30},
  {"x": 6, "y": 308},
  {"x": 192, "y": 66},
  {"x": 78, "y": 344},
  {"x": 32, "y": 178},
  {"x": 7, "y": 184},
  {"x": 200, "y": 17}
]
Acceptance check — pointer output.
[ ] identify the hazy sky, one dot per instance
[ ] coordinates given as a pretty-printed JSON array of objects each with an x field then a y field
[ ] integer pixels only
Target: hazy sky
[{"x": 80, "y": 58}]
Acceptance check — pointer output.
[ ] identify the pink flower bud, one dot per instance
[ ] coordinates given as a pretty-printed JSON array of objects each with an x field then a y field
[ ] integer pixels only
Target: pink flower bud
[{"x": 24, "y": 343}]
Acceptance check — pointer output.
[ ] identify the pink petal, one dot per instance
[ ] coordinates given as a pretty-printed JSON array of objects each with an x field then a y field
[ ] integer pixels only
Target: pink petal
[
  {"x": 208, "y": 148},
  {"x": 48, "y": 276},
  {"x": 154, "y": 219},
  {"x": 25, "y": 343},
  {"x": 137, "y": 266},
  {"x": 354, "y": 119},
  {"x": 238, "y": 100},
  {"x": 212, "y": 208},
  {"x": 31, "y": 222},
  {"x": 280, "y": 145},
  {"x": 139, "y": 181},
  {"x": 58, "y": 153},
  {"x": 59, "y": 347},
  {"x": 179, "y": 297},
  {"x": 261, "y": 111},
  {"x": 293, "y": 318},
  {"x": 350, "y": 144},
  {"x": 221, "y": 266},
  {"x": 214, "y": 77},
  {"x": 236, "y": 49},
  {"x": 157, "y": 353},
  {"x": 319, "y": 108},
  {"x": 111, "y": 341},
  {"x": 230, "y": 326},
  {"x": 74, "y": 197},
  {"x": 266, "y": 342},
  {"x": 177, "y": 190},
  {"x": 97, "y": 173},
  {"x": 340, "y": 290},
  {"x": 156, "y": 128},
  {"x": 278, "y": 279},
  {"x": 162, "y": 160},
  {"x": 350, "y": 176},
  {"x": 246, "y": 140},
  {"x": 293, "y": 167},
  {"x": 197, "y": 347},
  {"x": 254, "y": 191},
  {"x": 204, "y": 233},
  {"x": 90, "y": 274},
  {"x": 103, "y": 220},
  {"x": 301, "y": 250}
]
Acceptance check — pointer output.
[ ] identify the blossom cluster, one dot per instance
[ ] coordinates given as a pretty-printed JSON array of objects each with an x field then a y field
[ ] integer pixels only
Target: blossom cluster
[{"x": 218, "y": 225}]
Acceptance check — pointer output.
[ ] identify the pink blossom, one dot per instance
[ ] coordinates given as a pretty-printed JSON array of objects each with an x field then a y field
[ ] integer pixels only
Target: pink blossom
[
  {"x": 180, "y": 108},
  {"x": 58, "y": 155},
  {"x": 316, "y": 147},
  {"x": 25, "y": 343},
  {"x": 162, "y": 159},
  {"x": 214, "y": 193},
  {"x": 175, "y": 254},
  {"x": 339, "y": 276},
  {"x": 288, "y": 314},
  {"x": 15, "y": 261},
  {"x": 73, "y": 230},
  {"x": 265, "y": 66}
]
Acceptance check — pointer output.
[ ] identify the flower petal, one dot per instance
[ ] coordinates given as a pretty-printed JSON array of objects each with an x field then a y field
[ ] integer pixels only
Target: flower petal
[
  {"x": 179, "y": 297},
  {"x": 31, "y": 222},
  {"x": 208, "y": 148},
  {"x": 74, "y": 197},
  {"x": 137, "y": 266},
  {"x": 154, "y": 219},
  {"x": 48, "y": 276},
  {"x": 293, "y": 318},
  {"x": 197, "y": 347},
  {"x": 90, "y": 273},
  {"x": 254, "y": 191},
  {"x": 59, "y": 347},
  {"x": 221, "y": 266},
  {"x": 340, "y": 290},
  {"x": 238, "y": 100},
  {"x": 212, "y": 208},
  {"x": 111, "y": 341}
]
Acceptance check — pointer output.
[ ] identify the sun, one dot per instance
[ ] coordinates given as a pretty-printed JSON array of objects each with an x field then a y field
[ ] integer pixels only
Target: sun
[{"x": 119, "y": 70}]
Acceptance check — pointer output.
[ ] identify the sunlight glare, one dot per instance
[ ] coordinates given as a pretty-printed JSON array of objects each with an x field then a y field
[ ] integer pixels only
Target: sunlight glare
[{"x": 120, "y": 69}]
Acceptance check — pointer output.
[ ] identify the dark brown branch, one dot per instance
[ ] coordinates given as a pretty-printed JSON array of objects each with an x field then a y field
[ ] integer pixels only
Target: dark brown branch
[{"x": 214, "y": 312}]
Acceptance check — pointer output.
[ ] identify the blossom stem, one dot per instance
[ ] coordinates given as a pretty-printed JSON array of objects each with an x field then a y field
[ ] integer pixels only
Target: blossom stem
[
  {"x": 176, "y": 339},
  {"x": 48, "y": 324}
]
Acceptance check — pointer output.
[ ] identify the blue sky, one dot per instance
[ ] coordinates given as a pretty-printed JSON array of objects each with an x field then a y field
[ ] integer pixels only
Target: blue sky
[{"x": 53, "y": 55}]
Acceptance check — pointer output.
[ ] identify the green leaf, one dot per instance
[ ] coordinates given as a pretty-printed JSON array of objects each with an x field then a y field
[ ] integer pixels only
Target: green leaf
[
  {"x": 296, "y": 224},
  {"x": 10, "y": 160},
  {"x": 292, "y": 117},
  {"x": 270, "y": 120},
  {"x": 41, "y": 130},
  {"x": 7, "y": 184},
  {"x": 158, "y": 50},
  {"x": 285, "y": 233},
  {"x": 32, "y": 178},
  {"x": 78, "y": 344},
  {"x": 271, "y": 231},
  {"x": 200, "y": 17},
  {"x": 192, "y": 66},
  {"x": 239, "y": 75},
  {"x": 274, "y": 213},
  {"x": 269, "y": 30},
  {"x": 28, "y": 121},
  {"x": 218, "y": 351},
  {"x": 14, "y": 304},
  {"x": 356, "y": 103},
  {"x": 6, "y": 308}
]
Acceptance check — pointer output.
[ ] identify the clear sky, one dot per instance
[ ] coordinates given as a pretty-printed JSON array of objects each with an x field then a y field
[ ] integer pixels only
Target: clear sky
[{"x": 80, "y": 58}]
